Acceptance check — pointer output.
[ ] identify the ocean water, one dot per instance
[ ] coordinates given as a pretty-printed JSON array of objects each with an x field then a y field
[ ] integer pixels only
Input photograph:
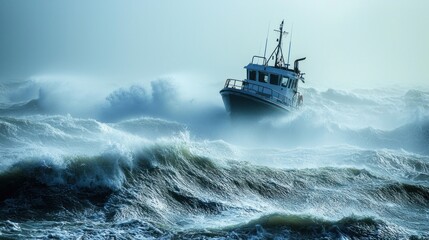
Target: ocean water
[{"x": 141, "y": 164}]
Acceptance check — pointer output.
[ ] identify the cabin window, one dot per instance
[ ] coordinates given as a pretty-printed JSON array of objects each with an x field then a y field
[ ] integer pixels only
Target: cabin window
[
  {"x": 274, "y": 79},
  {"x": 252, "y": 75},
  {"x": 284, "y": 81},
  {"x": 289, "y": 83},
  {"x": 295, "y": 83},
  {"x": 263, "y": 77}
]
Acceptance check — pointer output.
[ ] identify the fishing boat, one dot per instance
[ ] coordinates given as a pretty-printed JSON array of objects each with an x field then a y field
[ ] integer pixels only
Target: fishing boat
[{"x": 268, "y": 90}]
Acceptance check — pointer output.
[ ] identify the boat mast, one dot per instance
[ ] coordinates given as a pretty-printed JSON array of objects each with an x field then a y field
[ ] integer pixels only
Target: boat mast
[
  {"x": 279, "y": 53},
  {"x": 278, "y": 50}
]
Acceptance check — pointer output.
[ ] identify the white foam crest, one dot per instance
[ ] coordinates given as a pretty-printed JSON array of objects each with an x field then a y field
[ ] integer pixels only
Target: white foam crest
[
  {"x": 386, "y": 163},
  {"x": 377, "y": 108},
  {"x": 149, "y": 127},
  {"x": 63, "y": 134},
  {"x": 364, "y": 117},
  {"x": 106, "y": 169},
  {"x": 53, "y": 168}
]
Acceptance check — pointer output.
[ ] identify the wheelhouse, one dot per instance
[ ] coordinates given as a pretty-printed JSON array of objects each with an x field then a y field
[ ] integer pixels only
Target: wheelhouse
[{"x": 273, "y": 77}]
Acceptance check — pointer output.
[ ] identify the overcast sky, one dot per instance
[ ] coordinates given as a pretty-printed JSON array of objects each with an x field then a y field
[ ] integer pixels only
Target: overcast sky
[{"x": 348, "y": 44}]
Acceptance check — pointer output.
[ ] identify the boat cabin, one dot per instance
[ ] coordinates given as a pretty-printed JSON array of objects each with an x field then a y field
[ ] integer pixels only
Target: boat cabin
[{"x": 278, "y": 78}]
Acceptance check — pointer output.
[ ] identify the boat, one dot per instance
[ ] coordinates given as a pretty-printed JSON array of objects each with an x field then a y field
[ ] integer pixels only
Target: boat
[{"x": 268, "y": 90}]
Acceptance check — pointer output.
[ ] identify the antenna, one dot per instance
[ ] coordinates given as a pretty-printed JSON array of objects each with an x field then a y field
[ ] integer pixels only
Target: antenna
[
  {"x": 266, "y": 41},
  {"x": 279, "y": 47},
  {"x": 278, "y": 50},
  {"x": 290, "y": 44}
]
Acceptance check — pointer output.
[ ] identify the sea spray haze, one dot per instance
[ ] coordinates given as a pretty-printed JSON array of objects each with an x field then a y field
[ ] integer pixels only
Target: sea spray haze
[
  {"x": 112, "y": 126},
  {"x": 349, "y": 164}
]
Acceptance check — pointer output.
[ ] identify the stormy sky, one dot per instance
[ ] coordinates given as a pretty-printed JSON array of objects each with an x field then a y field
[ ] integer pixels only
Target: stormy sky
[{"x": 348, "y": 44}]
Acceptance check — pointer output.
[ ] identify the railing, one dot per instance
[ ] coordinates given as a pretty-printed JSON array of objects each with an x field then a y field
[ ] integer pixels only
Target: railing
[
  {"x": 263, "y": 92},
  {"x": 264, "y": 60}
]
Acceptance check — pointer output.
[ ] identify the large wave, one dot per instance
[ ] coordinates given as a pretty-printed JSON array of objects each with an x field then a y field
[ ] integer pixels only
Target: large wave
[{"x": 176, "y": 182}]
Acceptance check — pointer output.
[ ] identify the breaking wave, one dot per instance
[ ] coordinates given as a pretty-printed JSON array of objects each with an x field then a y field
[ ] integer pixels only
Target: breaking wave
[
  {"x": 174, "y": 181},
  {"x": 379, "y": 118}
]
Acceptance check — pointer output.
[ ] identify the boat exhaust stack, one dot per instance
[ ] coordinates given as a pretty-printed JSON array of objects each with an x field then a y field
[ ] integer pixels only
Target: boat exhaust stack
[{"x": 296, "y": 65}]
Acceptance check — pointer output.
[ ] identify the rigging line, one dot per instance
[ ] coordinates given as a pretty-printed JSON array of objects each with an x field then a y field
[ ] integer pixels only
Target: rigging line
[
  {"x": 290, "y": 44},
  {"x": 266, "y": 42}
]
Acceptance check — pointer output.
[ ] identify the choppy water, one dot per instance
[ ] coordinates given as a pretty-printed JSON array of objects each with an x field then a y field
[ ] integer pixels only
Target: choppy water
[{"x": 348, "y": 165}]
